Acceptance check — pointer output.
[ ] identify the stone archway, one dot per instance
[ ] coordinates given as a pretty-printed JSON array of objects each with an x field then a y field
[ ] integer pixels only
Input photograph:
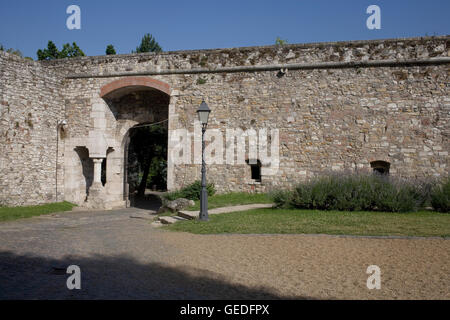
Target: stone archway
[
  {"x": 130, "y": 83},
  {"x": 129, "y": 102},
  {"x": 94, "y": 162}
]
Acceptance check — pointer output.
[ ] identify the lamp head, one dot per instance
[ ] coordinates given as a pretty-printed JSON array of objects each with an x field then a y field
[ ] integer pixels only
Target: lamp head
[{"x": 203, "y": 113}]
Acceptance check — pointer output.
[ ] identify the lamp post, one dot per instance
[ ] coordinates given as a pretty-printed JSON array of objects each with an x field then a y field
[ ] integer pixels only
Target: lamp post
[{"x": 203, "y": 115}]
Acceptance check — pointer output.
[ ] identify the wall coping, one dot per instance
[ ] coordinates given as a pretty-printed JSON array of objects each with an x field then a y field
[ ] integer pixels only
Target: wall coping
[{"x": 353, "y": 43}]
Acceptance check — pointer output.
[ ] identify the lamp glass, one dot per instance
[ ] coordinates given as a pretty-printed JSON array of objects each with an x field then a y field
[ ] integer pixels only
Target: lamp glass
[
  {"x": 203, "y": 113},
  {"x": 203, "y": 116}
]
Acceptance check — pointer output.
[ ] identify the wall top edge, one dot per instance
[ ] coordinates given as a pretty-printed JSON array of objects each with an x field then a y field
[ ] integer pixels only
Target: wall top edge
[{"x": 353, "y": 43}]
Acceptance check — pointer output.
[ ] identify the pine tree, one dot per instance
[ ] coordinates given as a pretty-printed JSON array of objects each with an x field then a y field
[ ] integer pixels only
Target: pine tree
[
  {"x": 76, "y": 51},
  {"x": 110, "y": 50},
  {"x": 67, "y": 51},
  {"x": 148, "y": 44}
]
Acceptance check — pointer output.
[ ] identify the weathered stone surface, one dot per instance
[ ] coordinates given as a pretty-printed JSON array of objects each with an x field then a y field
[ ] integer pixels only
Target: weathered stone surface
[
  {"x": 170, "y": 220},
  {"x": 31, "y": 155},
  {"x": 176, "y": 205},
  {"x": 328, "y": 119}
]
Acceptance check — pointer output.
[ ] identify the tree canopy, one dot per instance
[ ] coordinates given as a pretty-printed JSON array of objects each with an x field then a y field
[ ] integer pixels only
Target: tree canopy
[
  {"x": 67, "y": 51},
  {"x": 110, "y": 50},
  {"x": 280, "y": 42},
  {"x": 148, "y": 44}
]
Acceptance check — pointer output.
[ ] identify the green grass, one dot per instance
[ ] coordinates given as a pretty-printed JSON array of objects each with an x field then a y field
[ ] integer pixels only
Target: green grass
[
  {"x": 233, "y": 199},
  {"x": 14, "y": 213},
  {"x": 294, "y": 221}
]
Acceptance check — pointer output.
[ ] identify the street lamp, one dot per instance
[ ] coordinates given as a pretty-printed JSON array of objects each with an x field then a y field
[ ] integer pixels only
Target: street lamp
[{"x": 203, "y": 115}]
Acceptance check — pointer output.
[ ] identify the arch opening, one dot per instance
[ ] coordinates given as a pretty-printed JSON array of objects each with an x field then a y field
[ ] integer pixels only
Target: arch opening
[
  {"x": 136, "y": 159},
  {"x": 145, "y": 169},
  {"x": 380, "y": 167}
]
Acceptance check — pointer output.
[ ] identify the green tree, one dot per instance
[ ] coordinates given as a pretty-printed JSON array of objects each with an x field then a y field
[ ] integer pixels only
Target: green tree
[
  {"x": 67, "y": 51},
  {"x": 50, "y": 53},
  {"x": 280, "y": 42},
  {"x": 71, "y": 51},
  {"x": 148, "y": 44},
  {"x": 75, "y": 51},
  {"x": 110, "y": 50}
]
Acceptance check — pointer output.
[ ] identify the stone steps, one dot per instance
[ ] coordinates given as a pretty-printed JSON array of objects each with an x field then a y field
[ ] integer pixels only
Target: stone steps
[
  {"x": 192, "y": 215},
  {"x": 189, "y": 215},
  {"x": 170, "y": 220}
]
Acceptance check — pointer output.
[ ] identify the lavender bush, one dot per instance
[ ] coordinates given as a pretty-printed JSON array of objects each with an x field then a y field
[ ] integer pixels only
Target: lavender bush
[{"x": 363, "y": 192}]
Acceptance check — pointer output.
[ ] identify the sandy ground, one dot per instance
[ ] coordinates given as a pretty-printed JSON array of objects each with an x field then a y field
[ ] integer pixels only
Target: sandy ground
[
  {"x": 322, "y": 267},
  {"x": 126, "y": 258}
]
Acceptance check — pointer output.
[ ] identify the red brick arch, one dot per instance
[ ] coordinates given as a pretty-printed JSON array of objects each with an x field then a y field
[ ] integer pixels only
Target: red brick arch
[{"x": 134, "y": 82}]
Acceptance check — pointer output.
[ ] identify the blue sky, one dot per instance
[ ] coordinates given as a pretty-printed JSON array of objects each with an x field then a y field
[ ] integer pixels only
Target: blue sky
[{"x": 198, "y": 24}]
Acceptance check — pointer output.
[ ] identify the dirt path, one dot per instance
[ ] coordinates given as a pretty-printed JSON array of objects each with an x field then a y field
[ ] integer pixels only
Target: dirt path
[{"x": 125, "y": 258}]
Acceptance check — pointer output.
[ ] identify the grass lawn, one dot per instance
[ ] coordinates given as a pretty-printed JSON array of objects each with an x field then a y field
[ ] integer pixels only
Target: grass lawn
[
  {"x": 285, "y": 221},
  {"x": 7, "y": 213},
  {"x": 233, "y": 199}
]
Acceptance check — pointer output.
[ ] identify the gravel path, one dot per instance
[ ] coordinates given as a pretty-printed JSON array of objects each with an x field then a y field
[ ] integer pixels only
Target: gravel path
[{"x": 122, "y": 256}]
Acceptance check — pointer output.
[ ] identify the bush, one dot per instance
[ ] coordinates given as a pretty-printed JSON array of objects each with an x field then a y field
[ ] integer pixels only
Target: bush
[
  {"x": 191, "y": 192},
  {"x": 396, "y": 196},
  {"x": 440, "y": 196},
  {"x": 356, "y": 192},
  {"x": 281, "y": 198}
]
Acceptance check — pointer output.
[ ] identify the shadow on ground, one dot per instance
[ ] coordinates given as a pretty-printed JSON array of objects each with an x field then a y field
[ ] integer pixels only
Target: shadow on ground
[
  {"x": 122, "y": 277},
  {"x": 149, "y": 202}
]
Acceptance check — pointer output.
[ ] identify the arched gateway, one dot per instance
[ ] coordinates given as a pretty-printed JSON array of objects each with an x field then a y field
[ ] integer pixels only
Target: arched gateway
[{"x": 123, "y": 105}]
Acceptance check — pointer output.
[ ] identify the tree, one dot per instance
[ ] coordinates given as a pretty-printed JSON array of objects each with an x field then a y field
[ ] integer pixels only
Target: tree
[
  {"x": 71, "y": 51},
  {"x": 52, "y": 52},
  {"x": 148, "y": 44},
  {"x": 110, "y": 50},
  {"x": 280, "y": 42},
  {"x": 48, "y": 54}
]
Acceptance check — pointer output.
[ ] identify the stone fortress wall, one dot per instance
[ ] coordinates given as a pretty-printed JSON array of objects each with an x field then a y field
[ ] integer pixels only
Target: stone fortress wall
[
  {"x": 31, "y": 103},
  {"x": 337, "y": 106}
]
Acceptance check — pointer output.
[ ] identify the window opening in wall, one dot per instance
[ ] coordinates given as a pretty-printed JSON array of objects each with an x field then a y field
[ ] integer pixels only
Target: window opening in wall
[
  {"x": 255, "y": 167},
  {"x": 380, "y": 167},
  {"x": 104, "y": 172}
]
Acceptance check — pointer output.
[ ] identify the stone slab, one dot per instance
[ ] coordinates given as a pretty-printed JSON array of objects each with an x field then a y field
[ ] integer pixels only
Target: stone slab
[{"x": 170, "y": 220}]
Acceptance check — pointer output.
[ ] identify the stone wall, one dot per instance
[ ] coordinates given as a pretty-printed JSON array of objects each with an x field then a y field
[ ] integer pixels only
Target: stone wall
[
  {"x": 31, "y": 104},
  {"x": 329, "y": 116}
]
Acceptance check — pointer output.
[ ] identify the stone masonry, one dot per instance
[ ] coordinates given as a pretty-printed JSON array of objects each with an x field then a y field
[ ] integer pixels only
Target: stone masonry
[{"x": 337, "y": 106}]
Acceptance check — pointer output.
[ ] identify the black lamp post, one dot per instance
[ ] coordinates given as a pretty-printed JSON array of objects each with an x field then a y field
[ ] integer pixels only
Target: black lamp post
[{"x": 203, "y": 115}]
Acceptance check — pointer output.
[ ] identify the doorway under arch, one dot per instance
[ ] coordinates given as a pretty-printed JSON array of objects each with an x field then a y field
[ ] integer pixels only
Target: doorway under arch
[
  {"x": 145, "y": 164},
  {"x": 139, "y": 110}
]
